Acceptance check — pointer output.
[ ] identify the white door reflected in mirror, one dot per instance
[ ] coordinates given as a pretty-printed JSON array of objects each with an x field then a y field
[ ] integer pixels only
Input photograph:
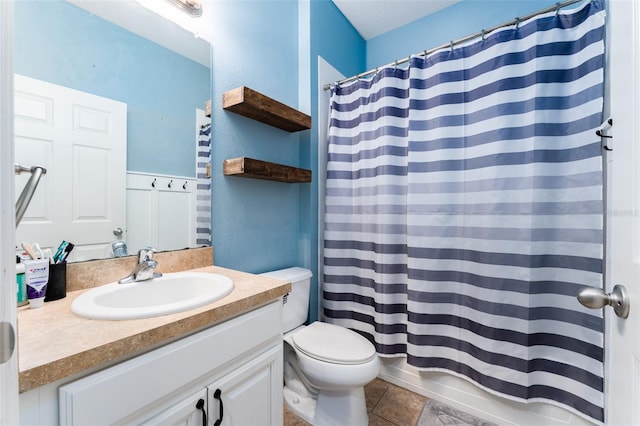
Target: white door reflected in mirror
[{"x": 81, "y": 139}]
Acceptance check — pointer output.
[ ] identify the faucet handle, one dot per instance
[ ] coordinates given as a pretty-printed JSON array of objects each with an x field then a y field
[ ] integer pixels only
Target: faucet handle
[{"x": 145, "y": 254}]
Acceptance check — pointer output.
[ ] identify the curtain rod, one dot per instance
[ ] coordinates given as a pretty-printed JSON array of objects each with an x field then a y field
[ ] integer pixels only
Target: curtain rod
[{"x": 453, "y": 43}]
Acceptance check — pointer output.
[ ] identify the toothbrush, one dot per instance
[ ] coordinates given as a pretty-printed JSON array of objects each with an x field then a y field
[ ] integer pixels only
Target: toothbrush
[
  {"x": 48, "y": 254},
  {"x": 38, "y": 250}
]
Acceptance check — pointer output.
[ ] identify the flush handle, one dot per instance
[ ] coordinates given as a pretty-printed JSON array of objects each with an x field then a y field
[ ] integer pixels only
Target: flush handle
[{"x": 596, "y": 298}]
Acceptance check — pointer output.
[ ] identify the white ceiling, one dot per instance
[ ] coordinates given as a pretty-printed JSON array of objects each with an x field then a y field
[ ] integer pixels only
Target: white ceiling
[{"x": 374, "y": 17}]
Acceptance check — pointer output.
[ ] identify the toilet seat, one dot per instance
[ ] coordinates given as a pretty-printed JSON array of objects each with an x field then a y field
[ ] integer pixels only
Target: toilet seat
[{"x": 333, "y": 344}]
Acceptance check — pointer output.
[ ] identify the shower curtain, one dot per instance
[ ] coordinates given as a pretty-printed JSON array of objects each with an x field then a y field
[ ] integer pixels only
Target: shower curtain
[
  {"x": 464, "y": 210},
  {"x": 203, "y": 194}
]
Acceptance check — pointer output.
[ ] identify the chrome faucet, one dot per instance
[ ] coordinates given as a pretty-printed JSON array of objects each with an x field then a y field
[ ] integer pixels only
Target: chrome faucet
[{"x": 144, "y": 269}]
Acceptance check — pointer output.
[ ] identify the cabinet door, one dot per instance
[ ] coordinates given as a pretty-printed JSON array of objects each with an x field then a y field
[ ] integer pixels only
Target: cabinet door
[
  {"x": 250, "y": 395},
  {"x": 185, "y": 413}
]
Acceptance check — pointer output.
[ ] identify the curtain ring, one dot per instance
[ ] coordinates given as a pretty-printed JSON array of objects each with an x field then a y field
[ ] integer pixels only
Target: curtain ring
[
  {"x": 557, "y": 8},
  {"x": 451, "y": 45},
  {"x": 517, "y": 23},
  {"x": 483, "y": 33}
]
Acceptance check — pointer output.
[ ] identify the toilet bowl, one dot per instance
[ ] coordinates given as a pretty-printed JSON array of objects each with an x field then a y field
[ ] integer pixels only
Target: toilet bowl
[{"x": 325, "y": 366}]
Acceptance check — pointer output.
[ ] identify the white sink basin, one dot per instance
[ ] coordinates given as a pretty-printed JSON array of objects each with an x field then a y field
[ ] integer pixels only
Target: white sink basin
[{"x": 169, "y": 294}]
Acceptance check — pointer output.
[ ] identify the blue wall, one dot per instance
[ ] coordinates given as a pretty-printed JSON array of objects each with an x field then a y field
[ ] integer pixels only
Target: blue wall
[
  {"x": 259, "y": 225},
  {"x": 65, "y": 45},
  {"x": 334, "y": 39},
  {"x": 255, "y": 223},
  {"x": 461, "y": 19}
]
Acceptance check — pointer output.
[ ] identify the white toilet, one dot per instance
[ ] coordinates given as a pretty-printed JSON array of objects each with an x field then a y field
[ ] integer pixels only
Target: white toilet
[{"x": 325, "y": 366}]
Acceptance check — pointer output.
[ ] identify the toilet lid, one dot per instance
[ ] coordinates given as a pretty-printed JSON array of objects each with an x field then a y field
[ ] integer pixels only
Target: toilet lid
[{"x": 331, "y": 343}]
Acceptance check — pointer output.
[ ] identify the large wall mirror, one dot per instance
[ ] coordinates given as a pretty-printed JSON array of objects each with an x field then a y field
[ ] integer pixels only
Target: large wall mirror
[{"x": 110, "y": 99}]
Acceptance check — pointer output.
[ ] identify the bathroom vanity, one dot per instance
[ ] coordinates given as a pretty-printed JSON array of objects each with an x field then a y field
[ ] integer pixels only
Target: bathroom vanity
[
  {"x": 224, "y": 358},
  {"x": 235, "y": 368}
]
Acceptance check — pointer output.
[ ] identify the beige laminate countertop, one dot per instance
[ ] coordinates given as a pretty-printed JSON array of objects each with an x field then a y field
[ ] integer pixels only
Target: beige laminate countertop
[{"x": 53, "y": 343}]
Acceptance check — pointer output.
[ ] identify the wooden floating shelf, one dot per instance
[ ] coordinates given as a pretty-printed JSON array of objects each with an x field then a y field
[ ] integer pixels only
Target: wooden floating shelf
[
  {"x": 258, "y": 169},
  {"x": 249, "y": 103}
]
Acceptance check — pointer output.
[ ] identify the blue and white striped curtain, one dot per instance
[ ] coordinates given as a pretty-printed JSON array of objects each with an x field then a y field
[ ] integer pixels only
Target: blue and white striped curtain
[
  {"x": 203, "y": 194},
  {"x": 464, "y": 210}
]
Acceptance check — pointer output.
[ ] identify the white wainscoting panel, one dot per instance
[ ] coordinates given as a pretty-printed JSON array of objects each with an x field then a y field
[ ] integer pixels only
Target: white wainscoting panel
[{"x": 161, "y": 212}]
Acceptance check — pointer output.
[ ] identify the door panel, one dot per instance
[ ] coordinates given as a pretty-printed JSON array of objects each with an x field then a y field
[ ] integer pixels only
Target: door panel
[
  {"x": 623, "y": 335},
  {"x": 9, "y": 369},
  {"x": 80, "y": 139}
]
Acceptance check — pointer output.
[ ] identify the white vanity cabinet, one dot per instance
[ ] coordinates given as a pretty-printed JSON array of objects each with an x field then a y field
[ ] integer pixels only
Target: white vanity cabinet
[
  {"x": 184, "y": 413},
  {"x": 242, "y": 397},
  {"x": 241, "y": 358},
  {"x": 237, "y": 398}
]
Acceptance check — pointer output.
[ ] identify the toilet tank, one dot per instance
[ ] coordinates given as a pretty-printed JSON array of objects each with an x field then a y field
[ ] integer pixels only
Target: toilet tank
[{"x": 296, "y": 307}]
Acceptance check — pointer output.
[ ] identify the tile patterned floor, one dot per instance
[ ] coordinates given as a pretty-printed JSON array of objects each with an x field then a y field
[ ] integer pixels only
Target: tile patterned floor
[{"x": 387, "y": 404}]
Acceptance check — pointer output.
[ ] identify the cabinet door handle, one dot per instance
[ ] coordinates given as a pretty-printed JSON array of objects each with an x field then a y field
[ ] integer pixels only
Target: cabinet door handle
[
  {"x": 200, "y": 406},
  {"x": 218, "y": 395}
]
